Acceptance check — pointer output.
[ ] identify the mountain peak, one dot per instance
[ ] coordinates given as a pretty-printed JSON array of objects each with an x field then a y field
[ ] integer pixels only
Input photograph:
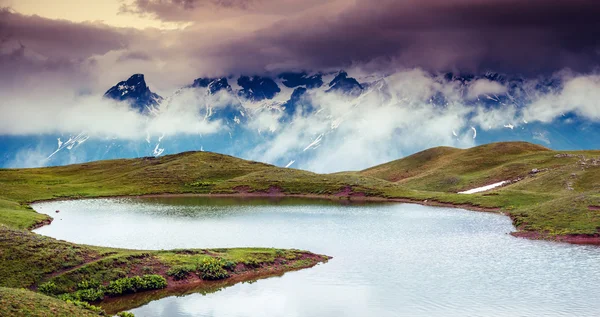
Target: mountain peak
[
  {"x": 257, "y": 88},
  {"x": 343, "y": 83},
  {"x": 135, "y": 91},
  {"x": 213, "y": 85},
  {"x": 293, "y": 80}
]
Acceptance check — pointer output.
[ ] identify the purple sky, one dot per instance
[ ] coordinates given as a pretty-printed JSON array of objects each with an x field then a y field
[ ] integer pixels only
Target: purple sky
[{"x": 178, "y": 40}]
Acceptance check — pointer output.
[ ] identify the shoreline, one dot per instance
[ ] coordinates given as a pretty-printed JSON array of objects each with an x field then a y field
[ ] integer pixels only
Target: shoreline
[
  {"x": 195, "y": 284},
  {"x": 345, "y": 195}
]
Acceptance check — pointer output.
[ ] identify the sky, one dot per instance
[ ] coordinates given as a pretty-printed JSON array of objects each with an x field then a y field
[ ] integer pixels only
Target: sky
[{"x": 57, "y": 57}]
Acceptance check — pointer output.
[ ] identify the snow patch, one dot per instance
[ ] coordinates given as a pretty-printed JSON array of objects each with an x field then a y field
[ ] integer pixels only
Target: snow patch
[
  {"x": 483, "y": 188},
  {"x": 157, "y": 151},
  {"x": 315, "y": 143}
]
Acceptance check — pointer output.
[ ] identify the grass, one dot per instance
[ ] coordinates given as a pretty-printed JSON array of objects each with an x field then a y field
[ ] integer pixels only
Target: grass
[{"x": 21, "y": 302}]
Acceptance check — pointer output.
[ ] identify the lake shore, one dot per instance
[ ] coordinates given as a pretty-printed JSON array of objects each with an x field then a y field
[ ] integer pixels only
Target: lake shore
[{"x": 347, "y": 195}]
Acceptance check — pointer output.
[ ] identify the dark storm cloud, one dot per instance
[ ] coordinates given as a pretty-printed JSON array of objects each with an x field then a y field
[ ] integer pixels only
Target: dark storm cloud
[
  {"x": 134, "y": 55},
  {"x": 60, "y": 38},
  {"x": 33, "y": 46},
  {"x": 181, "y": 10},
  {"x": 507, "y": 35},
  {"x": 213, "y": 10},
  {"x": 256, "y": 36}
]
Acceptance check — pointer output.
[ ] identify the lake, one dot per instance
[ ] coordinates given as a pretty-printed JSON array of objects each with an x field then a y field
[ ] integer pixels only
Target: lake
[{"x": 388, "y": 259}]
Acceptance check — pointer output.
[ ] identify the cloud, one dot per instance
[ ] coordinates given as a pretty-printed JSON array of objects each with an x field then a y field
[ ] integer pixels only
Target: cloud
[
  {"x": 61, "y": 38},
  {"x": 485, "y": 87},
  {"x": 268, "y": 36},
  {"x": 67, "y": 113},
  {"x": 580, "y": 94},
  {"x": 212, "y": 10},
  {"x": 392, "y": 119},
  {"x": 134, "y": 55}
]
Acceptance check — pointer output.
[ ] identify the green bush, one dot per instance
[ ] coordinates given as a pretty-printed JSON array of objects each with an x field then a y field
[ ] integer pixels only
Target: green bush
[
  {"x": 129, "y": 285},
  {"x": 125, "y": 314},
  {"x": 229, "y": 265},
  {"x": 48, "y": 288},
  {"x": 212, "y": 269},
  {"x": 86, "y": 295},
  {"x": 153, "y": 281},
  {"x": 87, "y": 306},
  {"x": 87, "y": 284},
  {"x": 180, "y": 272}
]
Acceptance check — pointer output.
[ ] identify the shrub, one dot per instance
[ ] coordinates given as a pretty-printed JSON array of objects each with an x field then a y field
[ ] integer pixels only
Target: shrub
[
  {"x": 125, "y": 314},
  {"x": 48, "y": 288},
  {"x": 86, "y": 295},
  {"x": 212, "y": 269},
  {"x": 87, "y": 284},
  {"x": 154, "y": 281},
  {"x": 87, "y": 306},
  {"x": 180, "y": 272},
  {"x": 128, "y": 285},
  {"x": 229, "y": 265}
]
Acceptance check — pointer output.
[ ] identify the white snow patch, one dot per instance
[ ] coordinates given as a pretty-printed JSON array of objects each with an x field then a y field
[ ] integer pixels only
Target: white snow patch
[
  {"x": 483, "y": 188},
  {"x": 71, "y": 143},
  {"x": 314, "y": 143},
  {"x": 158, "y": 151}
]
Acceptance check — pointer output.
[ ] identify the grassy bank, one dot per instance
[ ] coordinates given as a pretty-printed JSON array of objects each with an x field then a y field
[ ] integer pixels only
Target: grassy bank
[{"x": 80, "y": 273}]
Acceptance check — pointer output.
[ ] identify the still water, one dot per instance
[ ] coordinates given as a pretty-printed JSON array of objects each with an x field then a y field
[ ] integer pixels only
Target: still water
[{"x": 388, "y": 259}]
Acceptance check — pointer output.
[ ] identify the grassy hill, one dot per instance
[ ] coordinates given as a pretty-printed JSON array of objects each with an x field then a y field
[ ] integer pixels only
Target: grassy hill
[
  {"x": 21, "y": 302},
  {"x": 549, "y": 192}
]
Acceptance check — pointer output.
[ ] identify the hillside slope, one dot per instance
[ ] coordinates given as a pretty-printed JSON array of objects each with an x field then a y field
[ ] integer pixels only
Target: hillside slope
[
  {"x": 548, "y": 192},
  {"x": 21, "y": 302},
  {"x": 535, "y": 176}
]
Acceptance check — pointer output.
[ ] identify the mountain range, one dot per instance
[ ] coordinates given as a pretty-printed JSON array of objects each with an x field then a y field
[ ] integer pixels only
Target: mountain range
[{"x": 290, "y": 100}]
